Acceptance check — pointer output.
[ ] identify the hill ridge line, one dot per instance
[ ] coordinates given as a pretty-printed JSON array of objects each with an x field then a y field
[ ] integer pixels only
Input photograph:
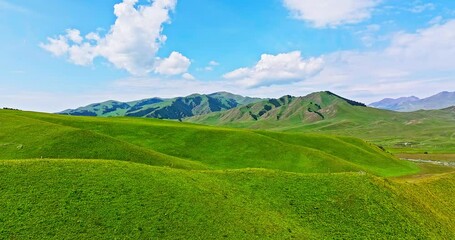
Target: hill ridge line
[{"x": 153, "y": 151}]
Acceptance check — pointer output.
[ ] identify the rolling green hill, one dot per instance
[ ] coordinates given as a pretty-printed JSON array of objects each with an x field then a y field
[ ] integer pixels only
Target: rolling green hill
[
  {"x": 325, "y": 112},
  {"x": 102, "y": 178},
  {"x": 76, "y": 199},
  {"x": 174, "y": 108},
  {"x": 168, "y": 143}
]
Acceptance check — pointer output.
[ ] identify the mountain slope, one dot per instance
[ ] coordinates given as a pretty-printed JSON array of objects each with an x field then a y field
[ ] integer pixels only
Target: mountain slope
[
  {"x": 438, "y": 101},
  {"x": 311, "y": 108},
  {"x": 108, "y": 109},
  {"x": 174, "y": 108},
  {"x": 420, "y": 131}
]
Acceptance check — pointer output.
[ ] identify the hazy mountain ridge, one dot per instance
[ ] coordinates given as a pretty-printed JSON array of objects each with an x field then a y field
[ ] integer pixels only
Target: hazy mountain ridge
[
  {"x": 173, "y": 108},
  {"x": 409, "y": 104}
]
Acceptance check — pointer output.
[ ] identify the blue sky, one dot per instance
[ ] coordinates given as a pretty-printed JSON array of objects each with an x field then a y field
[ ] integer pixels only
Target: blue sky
[{"x": 64, "y": 54}]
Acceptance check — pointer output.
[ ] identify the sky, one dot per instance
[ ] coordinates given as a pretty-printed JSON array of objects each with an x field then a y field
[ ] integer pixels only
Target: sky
[{"x": 62, "y": 54}]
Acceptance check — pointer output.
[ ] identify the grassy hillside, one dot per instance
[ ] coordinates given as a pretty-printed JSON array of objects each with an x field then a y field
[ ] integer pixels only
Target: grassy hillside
[
  {"x": 185, "y": 181},
  {"x": 115, "y": 199},
  {"x": 324, "y": 112},
  {"x": 183, "y": 145},
  {"x": 22, "y": 137}
]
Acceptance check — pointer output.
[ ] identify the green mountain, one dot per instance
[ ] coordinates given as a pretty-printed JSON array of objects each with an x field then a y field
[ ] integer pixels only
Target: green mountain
[
  {"x": 174, "y": 108},
  {"x": 311, "y": 108},
  {"x": 326, "y": 112},
  {"x": 172, "y": 180}
]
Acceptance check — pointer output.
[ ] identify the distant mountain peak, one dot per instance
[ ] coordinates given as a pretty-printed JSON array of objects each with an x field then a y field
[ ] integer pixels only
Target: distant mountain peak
[{"x": 407, "y": 104}]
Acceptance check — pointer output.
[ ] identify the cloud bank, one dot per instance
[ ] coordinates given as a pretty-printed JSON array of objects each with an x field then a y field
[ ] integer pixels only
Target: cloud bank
[
  {"x": 131, "y": 43},
  {"x": 331, "y": 13}
]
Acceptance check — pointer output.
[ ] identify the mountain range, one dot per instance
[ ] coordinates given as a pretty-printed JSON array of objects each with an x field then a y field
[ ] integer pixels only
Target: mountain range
[
  {"x": 316, "y": 111},
  {"x": 409, "y": 104},
  {"x": 171, "y": 108}
]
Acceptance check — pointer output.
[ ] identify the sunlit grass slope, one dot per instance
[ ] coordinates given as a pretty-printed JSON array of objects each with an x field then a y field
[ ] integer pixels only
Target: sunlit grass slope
[
  {"x": 183, "y": 145},
  {"x": 116, "y": 199},
  {"x": 24, "y": 137}
]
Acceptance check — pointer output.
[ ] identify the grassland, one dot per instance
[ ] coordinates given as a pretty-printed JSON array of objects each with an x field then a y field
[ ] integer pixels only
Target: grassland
[
  {"x": 76, "y": 199},
  {"x": 64, "y": 177},
  {"x": 432, "y": 157},
  {"x": 189, "y": 146}
]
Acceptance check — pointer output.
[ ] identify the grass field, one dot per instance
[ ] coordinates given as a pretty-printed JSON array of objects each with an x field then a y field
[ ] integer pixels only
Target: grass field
[
  {"x": 66, "y": 177},
  {"x": 116, "y": 199},
  {"x": 433, "y": 157},
  {"x": 189, "y": 146}
]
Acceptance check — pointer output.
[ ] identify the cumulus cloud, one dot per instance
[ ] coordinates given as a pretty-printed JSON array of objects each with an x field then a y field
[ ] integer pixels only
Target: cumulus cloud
[
  {"x": 277, "y": 69},
  {"x": 188, "y": 76},
  {"x": 422, "y": 8},
  {"x": 57, "y": 46},
  {"x": 331, "y": 13},
  {"x": 175, "y": 64},
  {"x": 131, "y": 44}
]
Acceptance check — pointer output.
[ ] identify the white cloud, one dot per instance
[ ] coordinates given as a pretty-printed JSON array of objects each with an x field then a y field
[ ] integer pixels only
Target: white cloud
[
  {"x": 368, "y": 35},
  {"x": 423, "y": 7},
  {"x": 131, "y": 44},
  {"x": 188, "y": 76},
  {"x": 331, "y": 13},
  {"x": 435, "y": 20},
  {"x": 93, "y": 36},
  {"x": 74, "y": 35},
  {"x": 214, "y": 63},
  {"x": 57, "y": 46},
  {"x": 175, "y": 64},
  {"x": 277, "y": 69},
  {"x": 431, "y": 48},
  {"x": 210, "y": 66},
  {"x": 413, "y": 63}
]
